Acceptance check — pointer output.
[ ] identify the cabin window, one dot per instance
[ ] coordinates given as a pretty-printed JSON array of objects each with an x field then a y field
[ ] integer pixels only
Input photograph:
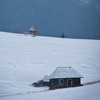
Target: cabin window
[{"x": 61, "y": 81}]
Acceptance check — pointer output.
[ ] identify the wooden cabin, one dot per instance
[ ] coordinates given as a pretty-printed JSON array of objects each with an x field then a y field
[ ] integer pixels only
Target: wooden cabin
[
  {"x": 33, "y": 31},
  {"x": 64, "y": 77}
]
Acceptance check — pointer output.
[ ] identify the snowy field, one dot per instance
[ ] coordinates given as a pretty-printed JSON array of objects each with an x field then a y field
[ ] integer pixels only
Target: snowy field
[{"x": 26, "y": 59}]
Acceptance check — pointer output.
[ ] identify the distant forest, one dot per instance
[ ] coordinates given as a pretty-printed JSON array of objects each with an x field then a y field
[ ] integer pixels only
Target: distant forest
[{"x": 52, "y": 17}]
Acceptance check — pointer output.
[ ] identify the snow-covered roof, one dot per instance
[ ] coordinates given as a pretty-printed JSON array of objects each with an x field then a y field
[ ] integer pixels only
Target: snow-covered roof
[
  {"x": 46, "y": 79},
  {"x": 32, "y": 28},
  {"x": 65, "y": 72}
]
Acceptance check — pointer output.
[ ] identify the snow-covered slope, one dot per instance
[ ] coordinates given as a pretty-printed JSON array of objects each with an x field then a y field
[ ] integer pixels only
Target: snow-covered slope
[{"x": 26, "y": 59}]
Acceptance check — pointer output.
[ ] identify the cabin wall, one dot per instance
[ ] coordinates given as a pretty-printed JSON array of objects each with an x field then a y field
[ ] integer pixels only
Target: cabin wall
[
  {"x": 46, "y": 83},
  {"x": 64, "y": 82},
  {"x": 76, "y": 82}
]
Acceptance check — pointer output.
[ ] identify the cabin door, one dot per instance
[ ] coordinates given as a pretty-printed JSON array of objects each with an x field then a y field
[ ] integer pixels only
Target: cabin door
[{"x": 69, "y": 82}]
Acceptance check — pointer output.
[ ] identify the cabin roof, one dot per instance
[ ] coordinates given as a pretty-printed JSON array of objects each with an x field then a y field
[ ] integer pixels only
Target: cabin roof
[
  {"x": 32, "y": 28},
  {"x": 65, "y": 72},
  {"x": 46, "y": 79}
]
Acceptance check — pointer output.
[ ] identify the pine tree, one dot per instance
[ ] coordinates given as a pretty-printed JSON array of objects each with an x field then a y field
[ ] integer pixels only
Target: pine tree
[{"x": 62, "y": 35}]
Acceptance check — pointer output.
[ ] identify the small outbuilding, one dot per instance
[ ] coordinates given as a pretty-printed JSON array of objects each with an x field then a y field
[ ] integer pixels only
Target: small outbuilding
[
  {"x": 33, "y": 31},
  {"x": 64, "y": 77},
  {"x": 42, "y": 82},
  {"x": 46, "y": 81}
]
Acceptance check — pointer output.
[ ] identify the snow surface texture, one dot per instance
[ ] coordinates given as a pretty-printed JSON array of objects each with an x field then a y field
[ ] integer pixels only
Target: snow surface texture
[{"x": 26, "y": 59}]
